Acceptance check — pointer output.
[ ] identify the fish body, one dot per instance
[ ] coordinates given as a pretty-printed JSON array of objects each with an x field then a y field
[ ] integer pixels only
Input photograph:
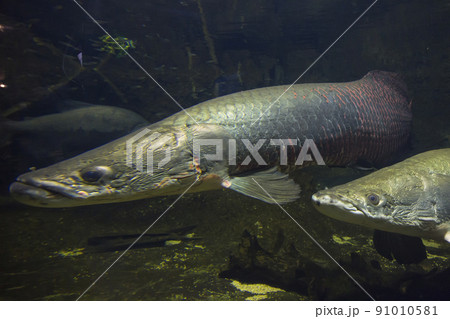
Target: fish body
[
  {"x": 368, "y": 120},
  {"x": 409, "y": 198}
]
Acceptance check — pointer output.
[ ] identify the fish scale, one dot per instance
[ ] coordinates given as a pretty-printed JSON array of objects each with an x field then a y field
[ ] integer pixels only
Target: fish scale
[{"x": 368, "y": 119}]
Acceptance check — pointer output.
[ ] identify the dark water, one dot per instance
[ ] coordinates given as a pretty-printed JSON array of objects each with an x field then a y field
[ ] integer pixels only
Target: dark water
[{"x": 196, "y": 54}]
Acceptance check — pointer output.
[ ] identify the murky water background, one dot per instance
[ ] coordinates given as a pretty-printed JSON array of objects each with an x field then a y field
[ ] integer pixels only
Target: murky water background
[{"x": 198, "y": 50}]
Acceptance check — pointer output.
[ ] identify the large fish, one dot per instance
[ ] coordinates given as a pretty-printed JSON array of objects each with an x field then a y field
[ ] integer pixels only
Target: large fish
[
  {"x": 368, "y": 120},
  {"x": 410, "y": 198}
]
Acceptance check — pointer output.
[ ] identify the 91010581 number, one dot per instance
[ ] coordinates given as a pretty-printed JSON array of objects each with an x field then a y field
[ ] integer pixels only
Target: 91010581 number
[{"x": 406, "y": 310}]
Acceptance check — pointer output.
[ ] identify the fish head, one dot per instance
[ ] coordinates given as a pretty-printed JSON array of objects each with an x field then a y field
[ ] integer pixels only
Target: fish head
[
  {"x": 352, "y": 207},
  {"x": 139, "y": 165},
  {"x": 381, "y": 201}
]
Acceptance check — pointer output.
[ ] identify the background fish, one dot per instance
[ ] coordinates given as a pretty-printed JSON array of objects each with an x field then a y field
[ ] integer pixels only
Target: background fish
[
  {"x": 49, "y": 138},
  {"x": 409, "y": 198}
]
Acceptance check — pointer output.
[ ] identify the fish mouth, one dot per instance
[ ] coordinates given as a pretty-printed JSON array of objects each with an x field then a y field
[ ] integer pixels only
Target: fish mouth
[
  {"x": 337, "y": 207},
  {"x": 35, "y": 192}
]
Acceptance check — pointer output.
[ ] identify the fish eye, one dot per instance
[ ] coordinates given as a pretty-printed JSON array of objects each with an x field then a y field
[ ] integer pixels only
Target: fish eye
[
  {"x": 91, "y": 176},
  {"x": 94, "y": 174},
  {"x": 374, "y": 199}
]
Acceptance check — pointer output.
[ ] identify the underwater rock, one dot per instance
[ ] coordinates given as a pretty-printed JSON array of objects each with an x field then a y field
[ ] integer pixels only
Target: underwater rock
[{"x": 279, "y": 263}]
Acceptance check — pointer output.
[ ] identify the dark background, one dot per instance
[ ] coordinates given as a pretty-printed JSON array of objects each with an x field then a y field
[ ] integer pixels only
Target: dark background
[{"x": 251, "y": 44}]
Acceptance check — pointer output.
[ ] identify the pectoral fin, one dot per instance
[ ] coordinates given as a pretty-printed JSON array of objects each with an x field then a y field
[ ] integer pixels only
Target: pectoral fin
[{"x": 269, "y": 186}]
